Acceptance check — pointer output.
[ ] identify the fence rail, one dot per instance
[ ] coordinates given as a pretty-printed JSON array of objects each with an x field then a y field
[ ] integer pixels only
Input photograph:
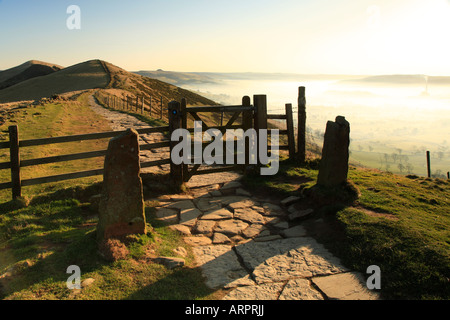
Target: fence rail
[
  {"x": 253, "y": 116},
  {"x": 15, "y": 163}
]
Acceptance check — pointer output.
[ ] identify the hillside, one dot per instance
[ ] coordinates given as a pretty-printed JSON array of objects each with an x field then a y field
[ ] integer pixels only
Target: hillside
[
  {"x": 149, "y": 87},
  {"x": 24, "y": 70},
  {"x": 82, "y": 76},
  {"x": 178, "y": 78},
  {"x": 93, "y": 74}
]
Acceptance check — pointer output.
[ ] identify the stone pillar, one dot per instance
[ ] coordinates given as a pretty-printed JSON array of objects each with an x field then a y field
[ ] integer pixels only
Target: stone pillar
[
  {"x": 121, "y": 208},
  {"x": 333, "y": 167}
]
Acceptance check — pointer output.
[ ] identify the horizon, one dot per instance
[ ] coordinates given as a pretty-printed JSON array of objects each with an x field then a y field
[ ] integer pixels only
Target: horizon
[
  {"x": 239, "y": 72},
  {"x": 286, "y": 36}
]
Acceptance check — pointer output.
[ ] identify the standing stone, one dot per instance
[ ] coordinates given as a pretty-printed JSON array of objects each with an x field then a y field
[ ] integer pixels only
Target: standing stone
[
  {"x": 121, "y": 208},
  {"x": 333, "y": 168}
]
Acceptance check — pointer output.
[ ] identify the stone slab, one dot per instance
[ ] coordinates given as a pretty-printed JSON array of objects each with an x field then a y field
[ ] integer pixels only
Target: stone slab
[
  {"x": 284, "y": 259},
  {"x": 230, "y": 227},
  {"x": 266, "y": 291},
  {"x": 297, "y": 231},
  {"x": 300, "y": 289},
  {"x": 217, "y": 214},
  {"x": 289, "y": 200},
  {"x": 189, "y": 216},
  {"x": 345, "y": 286},
  {"x": 221, "y": 267},
  {"x": 204, "y": 226},
  {"x": 197, "y": 241},
  {"x": 249, "y": 215}
]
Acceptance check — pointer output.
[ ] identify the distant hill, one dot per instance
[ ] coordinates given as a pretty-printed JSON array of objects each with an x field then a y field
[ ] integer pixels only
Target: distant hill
[
  {"x": 149, "y": 87},
  {"x": 86, "y": 75},
  {"x": 28, "y": 70},
  {"x": 178, "y": 78},
  {"x": 401, "y": 79},
  {"x": 93, "y": 74},
  {"x": 192, "y": 78}
]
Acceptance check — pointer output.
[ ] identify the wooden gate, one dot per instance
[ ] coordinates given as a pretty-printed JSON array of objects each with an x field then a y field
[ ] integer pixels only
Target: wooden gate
[{"x": 250, "y": 116}]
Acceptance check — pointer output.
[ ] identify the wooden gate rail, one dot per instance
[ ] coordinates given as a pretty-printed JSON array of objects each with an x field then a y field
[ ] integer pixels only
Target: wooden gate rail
[
  {"x": 16, "y": 163},
  {"x": 178, "y": 113},
  {"x": 289, "y": 129}
]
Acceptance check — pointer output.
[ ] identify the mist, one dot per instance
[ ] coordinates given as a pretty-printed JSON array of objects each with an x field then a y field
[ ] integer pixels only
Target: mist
[{"x": 394, "y": 119}]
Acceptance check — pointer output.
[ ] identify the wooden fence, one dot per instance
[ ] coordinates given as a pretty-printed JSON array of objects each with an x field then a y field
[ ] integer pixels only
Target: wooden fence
[
  {"x": 253, "y": 116},
  {"x": 138, "y": 104},
  {"x": 15, "y": 144}
]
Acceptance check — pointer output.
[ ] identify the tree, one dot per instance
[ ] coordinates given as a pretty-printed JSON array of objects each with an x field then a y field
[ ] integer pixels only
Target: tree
[
  {"x": 394, "y": 157},
  {"x": 401, "y": 167},
  {"x": 409, "y": 168}
]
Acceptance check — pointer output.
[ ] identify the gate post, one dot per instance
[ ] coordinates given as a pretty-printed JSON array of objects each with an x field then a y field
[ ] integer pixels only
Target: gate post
[
  {"x": 290, "y": 129},
  {"x": 15, "y": 161},
  {"x": 175, "y": 122},
  {"x": 247, "y": 123},
  {"x": 260, "y": 116},
  {"x": 301, "y": 125},
  {"x": 183, "y": 115}
]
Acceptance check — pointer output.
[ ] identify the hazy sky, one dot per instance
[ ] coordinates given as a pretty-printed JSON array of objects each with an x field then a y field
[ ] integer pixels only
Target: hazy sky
[{"x": 298, "y": 36}]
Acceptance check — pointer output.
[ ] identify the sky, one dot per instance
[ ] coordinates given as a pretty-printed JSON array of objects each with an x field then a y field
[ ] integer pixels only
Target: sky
[{"x": 289, "y": 36}]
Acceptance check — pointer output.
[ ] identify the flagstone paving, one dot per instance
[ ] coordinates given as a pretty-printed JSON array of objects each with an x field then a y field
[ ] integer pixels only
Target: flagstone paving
[{"x": 255, "y": 248}]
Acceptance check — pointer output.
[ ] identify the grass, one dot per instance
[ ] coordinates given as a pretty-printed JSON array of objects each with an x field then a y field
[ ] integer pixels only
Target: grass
[
  {"x": 55, "y": 227},
  {"x": 52, "y": 120},
  {"x": 399, "y": 223},
  {"x": 41, "y": 241}
]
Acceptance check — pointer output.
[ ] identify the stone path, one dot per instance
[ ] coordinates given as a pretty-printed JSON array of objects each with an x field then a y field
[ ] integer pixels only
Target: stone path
[
  {"x": 254, "y": 247},
  {"x": 121, "y": 121}
]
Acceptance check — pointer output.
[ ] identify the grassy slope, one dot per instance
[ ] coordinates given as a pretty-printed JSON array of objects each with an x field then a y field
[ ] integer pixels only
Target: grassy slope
[
  {"x": 15, "y": 71},
  {"x": 50, "y": 120},
  {"x": 86, "y": 75},
  {"x": 398, "y": 223},
  {"x": 57, "y": 229}
]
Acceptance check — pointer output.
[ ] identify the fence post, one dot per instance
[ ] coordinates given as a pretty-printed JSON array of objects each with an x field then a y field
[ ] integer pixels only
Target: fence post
[
  {"x": 161, "y": 108},
  {"x": 290, "y": 129},
  {"x": 183, "y": 115},
  {"x": 247, "y": 123},
  {"x": 175, "y": 122},
  {"x": 260, "y": 102},
  {"x": 260, "y": 116},
  {"x": 142, "y": 106},
  {"x": 150, "y": 106},
  {"x": 15, "y": 161},
  {"x": 428, "y": 164},
  {"x": 301, "y": 136}
]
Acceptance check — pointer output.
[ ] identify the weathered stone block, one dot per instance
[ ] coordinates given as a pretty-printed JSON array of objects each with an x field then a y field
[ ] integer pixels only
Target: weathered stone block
[
  {"x": 121, "y": 208},
  {"x": 333, "y": 168}
]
